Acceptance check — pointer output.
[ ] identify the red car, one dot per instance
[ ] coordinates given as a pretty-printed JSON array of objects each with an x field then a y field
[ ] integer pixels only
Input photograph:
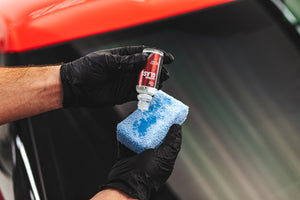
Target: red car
[{"x": 236, "y": 66}]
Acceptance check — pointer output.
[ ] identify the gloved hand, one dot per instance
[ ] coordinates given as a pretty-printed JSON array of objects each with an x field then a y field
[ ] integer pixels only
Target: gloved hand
[
  {"x": 139, "y": 174},
  {"x": 105, "y": 77}
]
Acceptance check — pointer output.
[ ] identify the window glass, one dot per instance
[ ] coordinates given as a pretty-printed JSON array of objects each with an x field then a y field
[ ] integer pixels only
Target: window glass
[
  {"x": 239, "y": 73},
  {"x": 1, "y": 58},
  {"x": 294, "y": 6}
]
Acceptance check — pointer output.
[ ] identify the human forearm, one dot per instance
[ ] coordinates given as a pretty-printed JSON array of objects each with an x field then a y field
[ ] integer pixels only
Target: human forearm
[
  {"x": 101, "y": 78},
  {"x": 111, "y": 194},
  {"x": 27, "y": 91}
]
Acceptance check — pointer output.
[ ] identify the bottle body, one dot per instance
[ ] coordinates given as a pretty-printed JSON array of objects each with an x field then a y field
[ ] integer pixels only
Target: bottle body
[{"x": 149, "y": 78}]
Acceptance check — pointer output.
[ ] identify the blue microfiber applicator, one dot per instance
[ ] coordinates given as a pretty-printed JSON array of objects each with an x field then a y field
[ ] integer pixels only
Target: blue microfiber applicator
[{"x": 144, "y": 130}]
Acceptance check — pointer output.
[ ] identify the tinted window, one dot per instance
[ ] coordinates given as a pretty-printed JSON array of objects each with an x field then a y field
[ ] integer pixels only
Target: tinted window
[
  {"x": 239, "y": 73},
  {"x": 1, "y": 59}
]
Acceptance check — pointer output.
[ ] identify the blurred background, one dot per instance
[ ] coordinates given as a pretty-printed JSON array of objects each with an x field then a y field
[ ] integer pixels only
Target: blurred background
[{"x": 237, "y": 67}]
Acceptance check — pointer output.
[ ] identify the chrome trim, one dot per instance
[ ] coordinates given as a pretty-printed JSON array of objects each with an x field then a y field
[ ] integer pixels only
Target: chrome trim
[{"x": 25, "y": 159}]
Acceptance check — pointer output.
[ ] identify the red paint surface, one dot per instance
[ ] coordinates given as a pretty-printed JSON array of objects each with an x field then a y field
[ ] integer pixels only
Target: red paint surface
[
  {"x": 30, "y": 24},
  {"x": 1, "y": 195}
]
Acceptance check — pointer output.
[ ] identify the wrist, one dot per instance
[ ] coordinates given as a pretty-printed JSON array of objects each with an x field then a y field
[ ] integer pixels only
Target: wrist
[
  {"x": 111, "y": 194},
  {"x": 45, "y": 89},
  {"x": 54, "y": 85},
  {"x": 68, "y": 96},
  {"x": 135, "y": 185},
  {"x": 29, "y": 91}
]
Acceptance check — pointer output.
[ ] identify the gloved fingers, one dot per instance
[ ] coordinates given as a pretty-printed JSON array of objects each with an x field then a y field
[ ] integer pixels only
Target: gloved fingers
[
  {"x": 124, "y": 152},
  {"x": 168, "y": 57},
  {"x": 172, "y": 141},
  {"x": 133, "y": 62},
  {"x": 129, "y": 50},
  {"x": 164, "y": 75}
]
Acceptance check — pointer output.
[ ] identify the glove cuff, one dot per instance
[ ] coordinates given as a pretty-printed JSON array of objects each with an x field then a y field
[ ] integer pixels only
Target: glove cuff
[
  {"x": 123, "y": 188},
  {"x": 139, "y": 191},
  {"x": 68, "y": 94}
]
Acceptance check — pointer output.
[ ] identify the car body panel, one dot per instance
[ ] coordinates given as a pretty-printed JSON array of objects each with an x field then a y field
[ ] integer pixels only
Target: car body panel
[
  {"x": 30, "y": 24},
  {"x": 1, "y": 195},
  {"x": 236, "y": 68}
]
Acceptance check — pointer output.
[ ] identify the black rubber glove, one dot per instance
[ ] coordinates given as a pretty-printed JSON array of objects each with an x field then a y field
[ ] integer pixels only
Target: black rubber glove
[
  {"x": 105, "y": 77},
  {"x": 140, "y": 174}
]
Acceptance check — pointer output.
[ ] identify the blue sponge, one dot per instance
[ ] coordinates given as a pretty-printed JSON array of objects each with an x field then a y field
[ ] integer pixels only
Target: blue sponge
[{"x": 144, "y": 130}]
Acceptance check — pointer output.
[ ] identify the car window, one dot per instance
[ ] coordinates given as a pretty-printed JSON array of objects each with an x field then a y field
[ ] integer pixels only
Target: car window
[
  {"x": 238, "y": 71},
  {"x": 1, "y": 59}
]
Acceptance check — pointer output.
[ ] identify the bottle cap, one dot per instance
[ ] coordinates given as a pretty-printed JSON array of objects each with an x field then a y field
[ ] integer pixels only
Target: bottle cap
[{"x": 144, "y": 102}]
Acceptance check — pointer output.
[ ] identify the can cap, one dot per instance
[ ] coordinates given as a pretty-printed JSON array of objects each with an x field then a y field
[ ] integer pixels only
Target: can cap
[{"x": 144, "y": 102}]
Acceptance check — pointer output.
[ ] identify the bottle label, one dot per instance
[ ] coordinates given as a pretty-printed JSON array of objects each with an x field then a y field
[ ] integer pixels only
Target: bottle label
[{"x": 149, "y": 75}]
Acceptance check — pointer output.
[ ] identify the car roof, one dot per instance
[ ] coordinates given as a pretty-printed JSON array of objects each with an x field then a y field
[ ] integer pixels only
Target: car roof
[{"x": 30, "y": 24}]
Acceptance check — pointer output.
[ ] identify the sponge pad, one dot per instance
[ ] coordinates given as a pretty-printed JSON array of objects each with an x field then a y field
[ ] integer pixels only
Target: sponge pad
[{"x": 144, "y": 130}]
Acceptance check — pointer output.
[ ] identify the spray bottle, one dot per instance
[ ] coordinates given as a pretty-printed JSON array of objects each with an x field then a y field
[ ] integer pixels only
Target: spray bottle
[{"x": 149, "y": 77}]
